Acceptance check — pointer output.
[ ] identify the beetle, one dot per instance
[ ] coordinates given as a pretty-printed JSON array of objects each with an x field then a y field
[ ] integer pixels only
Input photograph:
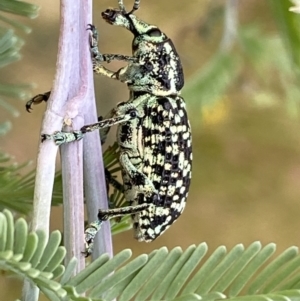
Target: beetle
[{"x": 153, "y": 134}]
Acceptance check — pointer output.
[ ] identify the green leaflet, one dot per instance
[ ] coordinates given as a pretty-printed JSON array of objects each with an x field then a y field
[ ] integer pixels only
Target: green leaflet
[{"x": 162, "y": 275}]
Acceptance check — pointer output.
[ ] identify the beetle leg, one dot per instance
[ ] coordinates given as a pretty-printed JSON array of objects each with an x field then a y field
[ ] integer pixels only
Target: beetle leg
[
  {"x": 103, "y": 215},
  {"x": 36, "y": 100},
  {"x": 66, "y": 137}
]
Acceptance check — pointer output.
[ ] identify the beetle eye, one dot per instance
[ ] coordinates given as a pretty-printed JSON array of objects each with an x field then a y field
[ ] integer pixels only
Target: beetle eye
[
  {"x": 155, "y": 32},
  {"x": 133, "y": 113}
]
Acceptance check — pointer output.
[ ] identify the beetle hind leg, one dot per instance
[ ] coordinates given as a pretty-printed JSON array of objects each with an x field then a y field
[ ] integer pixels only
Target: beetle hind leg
[{"x": 104, "y": 215}]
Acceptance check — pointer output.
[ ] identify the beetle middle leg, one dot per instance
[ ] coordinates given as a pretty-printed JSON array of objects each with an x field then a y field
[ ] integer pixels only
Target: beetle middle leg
[{"x": 67, "y": 137}]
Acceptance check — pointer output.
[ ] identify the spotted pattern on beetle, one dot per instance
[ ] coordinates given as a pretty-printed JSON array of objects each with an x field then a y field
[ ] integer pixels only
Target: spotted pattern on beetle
[
  {"x": 165, "y": 156},
  {"x": 154, "y": 134}
]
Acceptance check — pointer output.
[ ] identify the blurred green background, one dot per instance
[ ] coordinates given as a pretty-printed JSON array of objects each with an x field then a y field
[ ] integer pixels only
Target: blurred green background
[{"x": 242, "y": 94}]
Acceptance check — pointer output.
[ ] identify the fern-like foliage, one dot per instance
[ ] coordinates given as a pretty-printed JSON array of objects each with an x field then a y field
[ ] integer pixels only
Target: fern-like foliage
[
  {"x": 16, "y": 190},
  {"x": 252, "y": 273},
  {"x": 166, "y": 275},
  {"x": 31, "y": 255},
  {"x": 10, "y": 45}
]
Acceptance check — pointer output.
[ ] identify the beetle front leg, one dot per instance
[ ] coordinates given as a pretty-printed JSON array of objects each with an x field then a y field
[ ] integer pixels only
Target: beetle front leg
[{"x": 98, "y": 56}]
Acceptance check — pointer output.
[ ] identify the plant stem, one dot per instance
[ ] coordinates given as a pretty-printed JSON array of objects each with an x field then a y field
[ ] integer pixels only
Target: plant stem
[
  {"x": 95, "y": 187},
  {"x": 72, "y": 99}
]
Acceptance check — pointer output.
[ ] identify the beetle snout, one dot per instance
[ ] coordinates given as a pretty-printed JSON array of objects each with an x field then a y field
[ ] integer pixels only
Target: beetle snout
[{"x": 109, "y": 15}]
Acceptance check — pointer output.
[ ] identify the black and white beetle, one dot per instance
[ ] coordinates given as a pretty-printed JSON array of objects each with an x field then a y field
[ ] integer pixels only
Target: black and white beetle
[{"x": 153, "y": 133}]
